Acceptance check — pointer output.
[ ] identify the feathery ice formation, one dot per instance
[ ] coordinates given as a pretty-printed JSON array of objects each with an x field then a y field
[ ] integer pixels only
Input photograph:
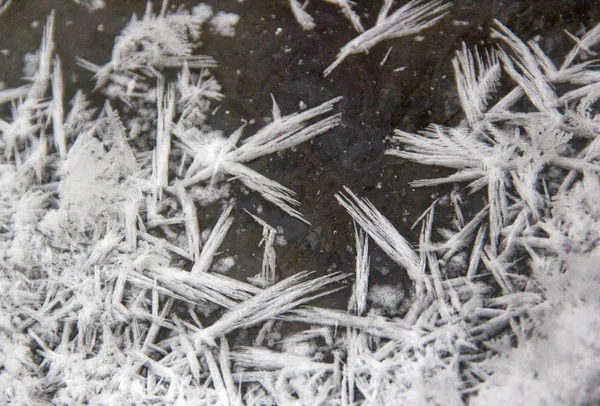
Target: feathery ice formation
[{"x": 108, "y": 284}]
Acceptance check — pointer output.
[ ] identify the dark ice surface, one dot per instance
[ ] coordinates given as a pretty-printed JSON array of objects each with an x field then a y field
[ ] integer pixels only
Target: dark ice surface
[{"x": 271, "y": 54}]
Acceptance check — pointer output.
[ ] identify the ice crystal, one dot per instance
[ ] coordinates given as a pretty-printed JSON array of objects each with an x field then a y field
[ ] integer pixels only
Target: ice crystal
[
  {"x": 308, "y": 23},
  {"x": 111, "y": 226},
  {"x": 409, "y": 19},
  {"x": 531, "y": 208}
]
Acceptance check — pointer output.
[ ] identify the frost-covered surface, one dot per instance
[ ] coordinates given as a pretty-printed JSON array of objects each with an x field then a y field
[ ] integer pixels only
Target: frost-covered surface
[{"x": 112, "y": 280}]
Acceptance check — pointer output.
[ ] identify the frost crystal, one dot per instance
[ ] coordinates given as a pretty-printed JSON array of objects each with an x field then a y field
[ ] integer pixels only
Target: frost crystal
[
  {"x": 539, "y": 169},
  {"x": 115, "y": 225},
  {"x": 308, "y": 23},
  {"x": 409, "y": 19}
]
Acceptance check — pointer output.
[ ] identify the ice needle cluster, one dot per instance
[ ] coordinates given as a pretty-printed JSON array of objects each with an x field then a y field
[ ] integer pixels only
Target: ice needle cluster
[
  {"x": 97, "y": 304},
  {"x": 532, "y": 154},
  {"x": 308, "y": 23},
  {"x": 409, "y": 19}
]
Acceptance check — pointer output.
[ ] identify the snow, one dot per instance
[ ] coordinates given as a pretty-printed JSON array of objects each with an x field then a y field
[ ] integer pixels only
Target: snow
[
  {"x": 224, "y": 23},
  {"x": 386, "y": 297},
  {"x": 564, "y": 344},
  {"x": 224, "y": 265},
  {"x": 92, "y": 5}
]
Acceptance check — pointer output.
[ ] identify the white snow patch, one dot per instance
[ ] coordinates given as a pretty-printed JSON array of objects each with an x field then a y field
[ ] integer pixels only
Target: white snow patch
[
  {"x": 224, "y": 23},
  {"x": 386, "y": 297},
  {"x": 223, "y": 265}
]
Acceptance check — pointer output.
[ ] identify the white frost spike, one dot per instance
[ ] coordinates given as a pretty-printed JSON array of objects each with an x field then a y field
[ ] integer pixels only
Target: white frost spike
[
  {"x": 102, "y": 249},
  {"x": 131, "y": 208},
  {"x": 224, "y": 361},
  {"x": 4, "y": 5},
  {"x": 166, "y": 112},
  {"x": 276, "y": 110},
  {"x": 277, "y": 136},
  {"x": 396, "y": 330},
  {"x": 90, "y": 191},
  {"x": 498, "y": 270},
  {"x": 456, "y": 200},
  {"x": 355, "y": 346},
  {"x": 25, "y": 118},
  {"x": 267, "y": 360},
  {"x": 7, "y": 95},
  {"x": 455, "y": 148},
  {"x": 346, "y": 8},
  {"x": 525, "y": 182},
  {"x": 498, "y": 202},
  {"x": 546, "y": 64},
  {"x": 155, "y": 41},
  {"x": 161, "y": 243},
  {"x": 409, "y": 19},
  {"x": 79, "y": 115},
  {"x": 188, "y": 348},
  {"x": 192, "y": 226},
  {"x": 226, "y": 147},
  {"x": 307, "y": 21},
  {"x": 204, "y": 286},
  {"x": 270, "y": 190},
  {"x": 476, "y": 252},
  {"x": 531, "y": 78},
  {"x": 303, "y": 18},
  {"x": 271, "y": 302},
  {"x": 591, "y": 38},
  {"x": 269, "y": 261},
  {"x": 304, "y": 336},
  {"x": 215, "y": 239},
  {"x": 383, "y": 232},
  {"x": 462, "y": 238},
  {"x": 287, "y": 132},
  {"x": 433, "y": 264},
  {"x": 40, "y": 83},
  {"x": 60, "y": 141},
  {"x": 196, "y": 94},
  {"x": 222, "y": 156},
  {"x": 384, "y": 11},
  {"x": 215, "y": 376},
  {"x": 386, "y": 56},
  {"x": 38, "y": 157},
  {"x": 475, "y": 80},
  {"x": 358, "y": 300}
]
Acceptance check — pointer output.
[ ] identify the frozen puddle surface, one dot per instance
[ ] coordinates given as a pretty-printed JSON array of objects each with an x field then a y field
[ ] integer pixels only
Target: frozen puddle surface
[{"x": 288, "y": 203}]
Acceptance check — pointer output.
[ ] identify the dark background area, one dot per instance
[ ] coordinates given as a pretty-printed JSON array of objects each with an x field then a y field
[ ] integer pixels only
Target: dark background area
[{"x": 258, "y": 62}]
